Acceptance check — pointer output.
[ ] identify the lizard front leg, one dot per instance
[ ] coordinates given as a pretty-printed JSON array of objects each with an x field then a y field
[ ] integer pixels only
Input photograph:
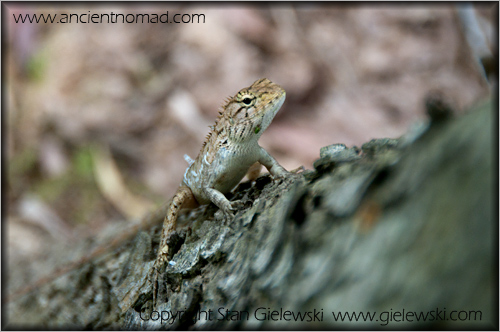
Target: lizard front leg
[
  {"x": 271, "y": 164},
  {"x": 228, "y": 207},
  {"x": 221, "y": 201},
  {"x": 184, "y": 196}
]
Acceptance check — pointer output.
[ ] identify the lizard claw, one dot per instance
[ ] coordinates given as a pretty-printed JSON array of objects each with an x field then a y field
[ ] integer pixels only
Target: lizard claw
[
  {"x": 298, "y": 170},
  {"x": 228, "y": 214},
  {"x": 280, "y": 173},
  {"x": 231, "y": 208}
]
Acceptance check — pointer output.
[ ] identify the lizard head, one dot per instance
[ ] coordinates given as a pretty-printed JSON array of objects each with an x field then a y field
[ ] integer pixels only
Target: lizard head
[{"x": 251, "y": 110}]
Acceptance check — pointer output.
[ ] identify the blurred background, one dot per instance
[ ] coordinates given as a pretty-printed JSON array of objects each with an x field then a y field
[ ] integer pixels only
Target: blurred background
[{"x": 97, "y": 117}]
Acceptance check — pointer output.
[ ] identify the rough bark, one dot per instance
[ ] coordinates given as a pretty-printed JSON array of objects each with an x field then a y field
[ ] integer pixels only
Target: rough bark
[{"x": 404, "y": 224}]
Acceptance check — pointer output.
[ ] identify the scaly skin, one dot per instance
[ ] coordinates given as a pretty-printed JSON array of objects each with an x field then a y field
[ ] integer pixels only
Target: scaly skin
[{"x": 229, "y": 151}]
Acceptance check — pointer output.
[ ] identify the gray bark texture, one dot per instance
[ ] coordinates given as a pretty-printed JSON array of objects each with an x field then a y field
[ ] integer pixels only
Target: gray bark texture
[{"x": 396, "y": 226}]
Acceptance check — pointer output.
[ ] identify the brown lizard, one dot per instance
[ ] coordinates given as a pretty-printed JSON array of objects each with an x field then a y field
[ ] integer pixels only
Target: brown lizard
[{"x": 228, "y": 153}]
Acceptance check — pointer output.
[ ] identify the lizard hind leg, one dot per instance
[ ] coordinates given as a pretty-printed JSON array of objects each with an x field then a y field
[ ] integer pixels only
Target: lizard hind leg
[{"x": 183, "y": 198}]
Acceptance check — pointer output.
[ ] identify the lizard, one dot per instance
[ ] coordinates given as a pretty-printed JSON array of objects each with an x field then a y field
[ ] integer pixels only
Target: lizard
[{"x": 230, "y": 150}]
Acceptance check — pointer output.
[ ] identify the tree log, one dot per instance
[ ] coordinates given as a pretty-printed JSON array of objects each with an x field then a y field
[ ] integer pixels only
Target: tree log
[{"x": 403, "y": 229}]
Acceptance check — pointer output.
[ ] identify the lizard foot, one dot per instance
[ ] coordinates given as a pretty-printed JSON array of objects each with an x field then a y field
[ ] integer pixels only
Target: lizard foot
[
  {"x": 232, "y": 208},
  {"x": 279, "y": 173},
  {"x": 298, "y": 170}
]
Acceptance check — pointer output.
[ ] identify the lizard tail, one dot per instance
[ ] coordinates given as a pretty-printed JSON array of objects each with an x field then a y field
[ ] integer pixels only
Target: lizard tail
[{"x": 182, "y": 196}]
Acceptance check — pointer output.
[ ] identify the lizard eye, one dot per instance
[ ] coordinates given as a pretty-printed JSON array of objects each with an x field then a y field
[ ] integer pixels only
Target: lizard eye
[{"x": 247, "y": 99}]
